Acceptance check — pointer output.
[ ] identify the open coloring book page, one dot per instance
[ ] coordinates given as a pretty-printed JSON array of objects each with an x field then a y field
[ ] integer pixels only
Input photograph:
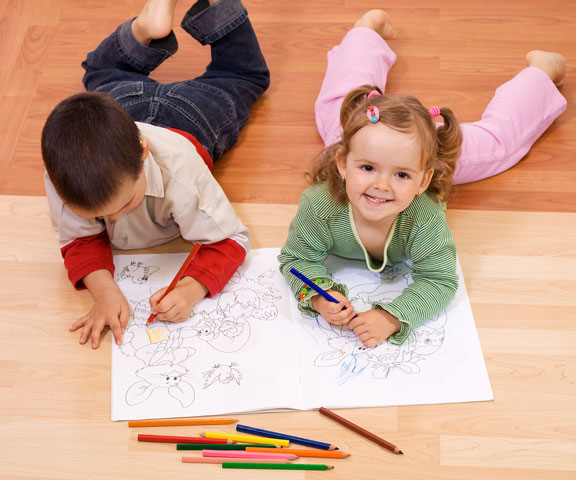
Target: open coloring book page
[{"x": 250, "y": 349}]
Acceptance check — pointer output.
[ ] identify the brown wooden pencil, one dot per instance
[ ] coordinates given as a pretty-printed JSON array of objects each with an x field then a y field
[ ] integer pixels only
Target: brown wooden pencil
[{"x": 365, "y": 433}]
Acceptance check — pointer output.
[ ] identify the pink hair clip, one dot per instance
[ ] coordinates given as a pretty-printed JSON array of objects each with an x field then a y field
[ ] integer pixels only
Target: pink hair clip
[
  {"x": 372, "y": 94},
  {"x": 434, "y": 111},
  {"x": 373, "y": 113}
]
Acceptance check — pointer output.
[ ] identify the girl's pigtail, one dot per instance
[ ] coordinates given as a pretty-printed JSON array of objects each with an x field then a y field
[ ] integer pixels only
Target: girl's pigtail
[
  {"x": 353, "y": 99},
  {"x": 325, "y": 168},
  {"x": 448, "y": 144}
]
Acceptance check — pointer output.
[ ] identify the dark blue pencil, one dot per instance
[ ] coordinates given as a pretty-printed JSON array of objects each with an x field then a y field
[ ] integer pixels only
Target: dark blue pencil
[
  {"x": 282, "y": 436},
  {"x": 312, "y": 285},
  {"x": 315, "y": 287}
]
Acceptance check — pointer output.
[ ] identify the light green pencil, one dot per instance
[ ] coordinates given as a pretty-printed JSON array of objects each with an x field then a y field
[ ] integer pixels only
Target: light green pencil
[{"x": 279, "y": 466}]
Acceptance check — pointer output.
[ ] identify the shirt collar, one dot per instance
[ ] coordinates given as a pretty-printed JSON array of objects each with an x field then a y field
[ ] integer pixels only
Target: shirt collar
[{"x": 154, "y": 180}]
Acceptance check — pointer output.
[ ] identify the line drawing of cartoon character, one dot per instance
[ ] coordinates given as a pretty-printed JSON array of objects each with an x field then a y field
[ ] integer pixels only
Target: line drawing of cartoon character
[
  {"x": 222, "y": 373},
  {"x": 137, "y": 271}
]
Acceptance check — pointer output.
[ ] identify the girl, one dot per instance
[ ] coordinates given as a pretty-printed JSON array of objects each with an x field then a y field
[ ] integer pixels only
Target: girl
[{"x": 379, "y": 186}]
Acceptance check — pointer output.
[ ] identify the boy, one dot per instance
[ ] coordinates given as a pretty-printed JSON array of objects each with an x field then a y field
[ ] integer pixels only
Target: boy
[{"x": 111, "y": 182}]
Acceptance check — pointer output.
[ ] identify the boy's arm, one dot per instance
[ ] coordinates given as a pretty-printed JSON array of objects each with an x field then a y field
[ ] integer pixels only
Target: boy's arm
[
  {"x": 208, "y": 217},
  {"x": 86, "y": 255},
  {"x": 84, "y": 242},
  {"x": 215, "y": 264}
]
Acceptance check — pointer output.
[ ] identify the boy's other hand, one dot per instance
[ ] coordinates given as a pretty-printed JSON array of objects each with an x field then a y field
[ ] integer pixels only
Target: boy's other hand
[
  {"x": 178, "y": 304},
  {"x": 334, "y": 313},
  {"x": 110, "y": 308}
]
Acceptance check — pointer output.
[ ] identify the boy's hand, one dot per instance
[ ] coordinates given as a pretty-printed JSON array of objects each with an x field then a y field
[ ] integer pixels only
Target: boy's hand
[
  {"x": 334, "y": 313},
  {"x": 177, "y": 305},
  {"x": 374, "y": 326},
  {"x": 110, "y": 308}
]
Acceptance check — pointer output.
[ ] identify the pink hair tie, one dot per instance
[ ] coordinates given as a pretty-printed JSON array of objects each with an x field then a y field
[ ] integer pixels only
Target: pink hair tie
[
  {"x": 434, "y": 112},
  {"x": 373, "y": 93},
  {"x": 373, "y": 113}
]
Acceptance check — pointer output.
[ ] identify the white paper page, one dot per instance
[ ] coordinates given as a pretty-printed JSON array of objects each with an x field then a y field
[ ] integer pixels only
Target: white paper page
[
  {"x": 234, "y": 354},
  {"x": 250, "y": 349},
  {"x": 440, "y": 362}
]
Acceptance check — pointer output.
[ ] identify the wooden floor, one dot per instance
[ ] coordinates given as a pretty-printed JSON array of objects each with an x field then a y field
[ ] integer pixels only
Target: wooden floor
[{"x": 515, "y": 233}]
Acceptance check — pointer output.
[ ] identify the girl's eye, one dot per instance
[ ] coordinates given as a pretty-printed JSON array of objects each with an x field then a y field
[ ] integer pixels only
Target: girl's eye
[
  {"x": 367, "y": 168},
  {"x": 403, "y": 175}
]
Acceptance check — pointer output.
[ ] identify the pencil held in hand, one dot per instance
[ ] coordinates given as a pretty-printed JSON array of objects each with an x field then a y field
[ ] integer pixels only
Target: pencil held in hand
[{"x": 177, "y": 277}]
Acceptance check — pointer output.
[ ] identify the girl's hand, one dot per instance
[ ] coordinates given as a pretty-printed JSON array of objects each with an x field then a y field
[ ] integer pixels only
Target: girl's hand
[
  {"x": 374, "y": 326},
  {"x": 178, "y": 304},
  {"x": 334, "y": 313}
]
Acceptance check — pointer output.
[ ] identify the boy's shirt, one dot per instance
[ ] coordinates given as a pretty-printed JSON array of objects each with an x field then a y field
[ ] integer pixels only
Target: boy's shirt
[{"x": 182, "y": 198}]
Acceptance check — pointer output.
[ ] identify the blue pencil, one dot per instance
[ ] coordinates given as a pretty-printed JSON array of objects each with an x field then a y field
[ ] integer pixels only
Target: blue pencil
[
  {"x": 312, "y": 285},
  {"x": 282, "y": 436}
]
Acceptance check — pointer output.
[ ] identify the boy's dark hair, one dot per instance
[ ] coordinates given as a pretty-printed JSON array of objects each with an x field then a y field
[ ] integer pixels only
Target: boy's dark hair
[{"x": 90, "y": 146}]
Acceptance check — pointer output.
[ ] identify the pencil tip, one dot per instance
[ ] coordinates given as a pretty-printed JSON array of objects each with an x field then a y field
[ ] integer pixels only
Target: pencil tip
[
  {"x": 348, "y": 454},
  {"x": 400, "y": 452}
]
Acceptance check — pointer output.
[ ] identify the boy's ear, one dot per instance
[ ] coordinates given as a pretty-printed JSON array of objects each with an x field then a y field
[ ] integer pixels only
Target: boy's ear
[
  {"x": 145, "y": 148},
  {"x": 426, "y": 181}
]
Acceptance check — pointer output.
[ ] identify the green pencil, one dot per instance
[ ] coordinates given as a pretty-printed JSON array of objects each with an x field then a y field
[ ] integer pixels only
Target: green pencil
[
  {"x": 218, "y": 446},
  {"x": 279, "y": 466}
]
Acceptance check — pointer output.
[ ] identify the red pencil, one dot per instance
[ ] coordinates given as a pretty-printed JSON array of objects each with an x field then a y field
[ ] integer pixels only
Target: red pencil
[
  {"x": 177, "y": 439},
  {"x": 177, "y": 277}
]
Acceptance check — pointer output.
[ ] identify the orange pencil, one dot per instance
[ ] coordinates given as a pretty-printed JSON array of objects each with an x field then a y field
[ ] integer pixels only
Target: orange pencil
[
  {"x": 173, "y": 422},
  {"x": 177, "y": 277},
  {"x": 302, "y": 452}
]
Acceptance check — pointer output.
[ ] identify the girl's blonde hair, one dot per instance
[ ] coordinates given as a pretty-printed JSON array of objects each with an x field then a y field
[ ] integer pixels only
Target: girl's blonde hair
[{"x": 440, "y": 146}]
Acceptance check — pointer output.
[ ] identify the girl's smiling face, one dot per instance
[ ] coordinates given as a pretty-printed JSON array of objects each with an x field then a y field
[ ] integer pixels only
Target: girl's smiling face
[{"x": 383, "y": 173}]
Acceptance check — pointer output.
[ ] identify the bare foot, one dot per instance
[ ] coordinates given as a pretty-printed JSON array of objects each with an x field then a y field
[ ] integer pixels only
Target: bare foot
[
  {"x": 553, "y": 64},
  {"x": 154, "y": 21},
  {"x": 379, "y": 21}
]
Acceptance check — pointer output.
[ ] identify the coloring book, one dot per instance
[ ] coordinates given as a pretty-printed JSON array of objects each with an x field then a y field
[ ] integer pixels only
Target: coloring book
[{"x": 250, "y": 349}]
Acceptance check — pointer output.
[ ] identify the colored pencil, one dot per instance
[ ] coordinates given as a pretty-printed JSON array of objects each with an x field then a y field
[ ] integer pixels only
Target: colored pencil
[
  {"x": 315, "y": 287},
  {"x": 291, "y": 438},
  {"x": 275, "y": 456},
  {"x": 236, "y": 460},
  {"x": 312, "y": 285},
  {"x": 278, "y": 466},
  {"x": 215, "y": 446},
  {"x": 246, "y": 438},
  {"x": 302, "y": 452},
  {"x": 177, "y": 439},
  {"x": 177, "y": 277},
  {"x": 174, "y": 422},
  {"x": 365, "y": 433}
]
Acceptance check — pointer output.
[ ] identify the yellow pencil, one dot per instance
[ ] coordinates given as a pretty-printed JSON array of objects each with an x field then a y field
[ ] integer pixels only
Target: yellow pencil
[{"x": 246, "y": 438}]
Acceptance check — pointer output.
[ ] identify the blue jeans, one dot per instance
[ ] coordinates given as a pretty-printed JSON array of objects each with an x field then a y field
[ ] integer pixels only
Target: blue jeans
[{"x": 212, "y": 107}]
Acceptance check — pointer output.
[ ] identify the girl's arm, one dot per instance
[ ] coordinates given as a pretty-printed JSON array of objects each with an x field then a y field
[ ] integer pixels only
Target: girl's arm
[
  {"x": 431, "y": 249},
  {"x": 309, "y": 242}
]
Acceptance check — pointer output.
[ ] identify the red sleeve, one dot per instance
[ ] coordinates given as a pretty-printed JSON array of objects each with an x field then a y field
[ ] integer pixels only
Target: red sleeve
[
  {"x": 86, "y": 255},
  {"x": 215, "y": 264},
  {"x": 199, "y": 148}
]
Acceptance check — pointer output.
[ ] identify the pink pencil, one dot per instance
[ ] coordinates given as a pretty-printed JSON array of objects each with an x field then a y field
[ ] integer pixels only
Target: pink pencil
[
  {"x": 243, "y": 454},
  {"x": 236, "y": 460},
  {"x": 142, "y": 437}
]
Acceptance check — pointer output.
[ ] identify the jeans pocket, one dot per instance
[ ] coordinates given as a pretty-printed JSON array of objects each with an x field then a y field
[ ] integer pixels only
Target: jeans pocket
[
  {"x": 122, "y": 90},
  {"x": 204, "y": 105}
]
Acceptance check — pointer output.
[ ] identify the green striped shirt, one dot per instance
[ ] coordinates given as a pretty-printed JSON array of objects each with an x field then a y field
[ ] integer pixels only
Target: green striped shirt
[{"x": 420, "y": 233}]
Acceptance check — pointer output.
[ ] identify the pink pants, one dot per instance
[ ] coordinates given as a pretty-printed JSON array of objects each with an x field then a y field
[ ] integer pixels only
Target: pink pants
[{"x": 521, "y": 110}]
